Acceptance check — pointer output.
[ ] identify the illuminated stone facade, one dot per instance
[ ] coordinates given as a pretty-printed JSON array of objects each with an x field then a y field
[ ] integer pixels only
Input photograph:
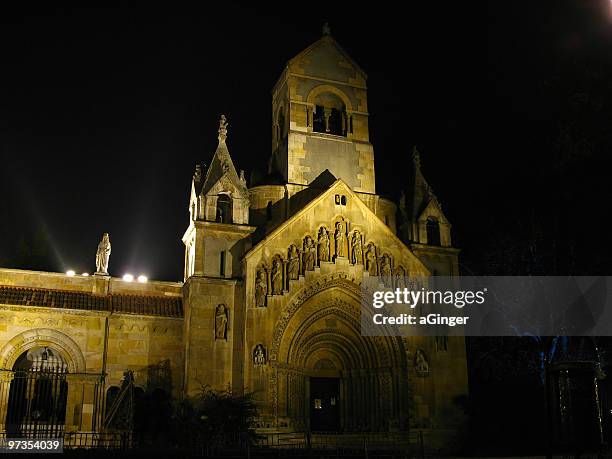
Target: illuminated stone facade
[{"x": 271, "y": 292}]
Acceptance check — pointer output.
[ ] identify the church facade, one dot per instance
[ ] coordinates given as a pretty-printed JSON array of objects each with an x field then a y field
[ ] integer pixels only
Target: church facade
[{"x": 271, "y": 296}]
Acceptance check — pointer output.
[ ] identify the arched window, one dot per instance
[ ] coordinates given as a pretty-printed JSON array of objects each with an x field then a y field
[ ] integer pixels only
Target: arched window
[
  {"x": 335, "y": 124},
  {"x": 224, "y": 209},
  {"x": 318, "y": 119},
  {"x": 433, "y": 231},
  {"x": 329, "y": 116}
]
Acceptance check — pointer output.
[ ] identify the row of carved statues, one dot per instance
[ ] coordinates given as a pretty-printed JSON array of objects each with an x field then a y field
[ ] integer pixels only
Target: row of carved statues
[{"x": 274, "y": 279}]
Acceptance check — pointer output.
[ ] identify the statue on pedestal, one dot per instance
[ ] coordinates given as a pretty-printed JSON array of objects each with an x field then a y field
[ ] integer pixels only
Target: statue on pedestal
[
  {"x": 277, "y": 277},
  {"x": 323, "y": 245},
  {"x": 102, "y": 255},
  {"x": 340, "y": 240},
  {"x": 221, "y": 322},
  {"x": 261, "y": 289},
  {"x": 293, "y": 266}
]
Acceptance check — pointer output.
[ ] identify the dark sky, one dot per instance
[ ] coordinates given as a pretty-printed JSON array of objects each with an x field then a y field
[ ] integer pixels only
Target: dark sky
[{"x": 105, "y": 112}]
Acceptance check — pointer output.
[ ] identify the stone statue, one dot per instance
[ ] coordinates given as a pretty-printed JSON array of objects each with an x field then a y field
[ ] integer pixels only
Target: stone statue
[
  {"x": 400, "y": 278},
  {"x": 421, "y": 365},
  {"x": 309, "y": 254},
  {"x": 102, "y": 255},
  {"x": 385, "y": 270},
  {"x": 261, "y": 289},
  {"x": 357, "y": 249},
  {"x": 293, "y": 265},
  {"x": 277, "y": 277},
  {"x": 371, "y": 259},
  {"x": 323, "y": 245},
  {"x": 340, "y": 238},
  {"x": 221, "y": 322},
  {"x": 259, "y": 355},
  {"x": 223, "y": 124}
]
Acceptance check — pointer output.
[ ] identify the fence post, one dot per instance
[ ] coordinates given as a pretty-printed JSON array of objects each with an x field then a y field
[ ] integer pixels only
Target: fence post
[{"x": 308, "y": 440}]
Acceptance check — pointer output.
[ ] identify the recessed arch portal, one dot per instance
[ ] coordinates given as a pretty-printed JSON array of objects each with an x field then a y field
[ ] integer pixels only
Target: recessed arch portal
[{"x": 318, "y": 336}]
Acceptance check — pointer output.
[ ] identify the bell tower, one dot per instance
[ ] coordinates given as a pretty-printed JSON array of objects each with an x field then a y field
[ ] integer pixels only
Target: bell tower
[{"x": 320, "y": 118}]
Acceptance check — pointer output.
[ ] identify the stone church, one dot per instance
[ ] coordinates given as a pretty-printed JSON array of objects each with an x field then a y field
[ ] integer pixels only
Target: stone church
[{"x": 270, "y": 300}]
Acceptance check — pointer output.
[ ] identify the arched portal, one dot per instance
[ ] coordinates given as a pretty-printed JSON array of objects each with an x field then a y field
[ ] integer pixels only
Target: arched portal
[
  {"x": 326, "y": 376},
  {"x": 38, "y": 392}
]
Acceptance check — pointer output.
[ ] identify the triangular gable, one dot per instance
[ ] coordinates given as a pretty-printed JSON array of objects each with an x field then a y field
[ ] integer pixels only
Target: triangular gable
[
  {"x": 225, "y": 184},
  {"x": 222, "y": 167},
  {"x": 433, "y": 209},
  {"x": 325, "y": 58},
  {"x": 339, "y": 187}
]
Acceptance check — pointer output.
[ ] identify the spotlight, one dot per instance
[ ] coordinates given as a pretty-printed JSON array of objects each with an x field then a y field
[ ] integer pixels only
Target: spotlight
[
  {"x": 85, "y": 274},
  {"x": 70, "y": 273},
  {"x": 142, "y": 279},
  {"x": 128, "y": 277}
]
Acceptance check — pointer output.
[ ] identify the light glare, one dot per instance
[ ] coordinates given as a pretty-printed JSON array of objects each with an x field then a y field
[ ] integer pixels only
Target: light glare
[
  {"x": 85, "y": 274},
  {"x": 70, "y": 273},
  {"x": 142, "y": 279},
  {"x": 128, "y": 277}
]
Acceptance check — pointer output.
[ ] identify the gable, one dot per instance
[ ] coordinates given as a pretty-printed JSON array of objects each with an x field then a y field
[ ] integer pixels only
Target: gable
[
  {"x": 325, "y": 59},
  {"x": 432, "y": 209},
  {"x": 323, "y": 212},
  {"x": 226, "y": 185},
  {"x": 221, "y": 175}
]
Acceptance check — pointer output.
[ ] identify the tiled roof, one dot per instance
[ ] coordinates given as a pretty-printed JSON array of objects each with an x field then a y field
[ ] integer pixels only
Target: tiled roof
[{"x": 166, "y": 306}]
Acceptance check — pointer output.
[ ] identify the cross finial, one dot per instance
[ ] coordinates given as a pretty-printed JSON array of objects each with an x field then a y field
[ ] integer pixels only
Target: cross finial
[
  {"x": 416, "y": 157},
  {"x": 326, "y": 29},
  {"x": 223, "y": 128}
]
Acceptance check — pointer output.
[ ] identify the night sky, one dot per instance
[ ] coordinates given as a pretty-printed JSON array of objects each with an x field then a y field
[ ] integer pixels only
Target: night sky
[{"x": 105, "y": 112}]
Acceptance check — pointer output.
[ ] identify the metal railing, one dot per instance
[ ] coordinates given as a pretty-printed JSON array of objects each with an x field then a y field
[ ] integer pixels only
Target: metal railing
[{"x": 98, "y": 440}]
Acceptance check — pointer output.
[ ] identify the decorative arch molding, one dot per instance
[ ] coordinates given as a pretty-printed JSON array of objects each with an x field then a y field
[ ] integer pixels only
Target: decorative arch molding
[
  {"x": 339, "y": 280},
  {"x": 323, "y": 88},
  {"x": 54, "y": 339}
]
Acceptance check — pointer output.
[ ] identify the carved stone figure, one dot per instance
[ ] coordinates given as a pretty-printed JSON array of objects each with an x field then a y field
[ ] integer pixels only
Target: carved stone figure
[
  {"x": 421, "y": 365},
  {"x": 385, "y": 270},
  {"x": 340, "y": 238},
  {"x": 400, "y": 278},
  {"x": 221, "y": 322},
  {"x": 261, "y": 289},
  {"x": 259, "y": 355},
  {"x": 371, "y": 264},
  {"x": 277, "y": 277},
  {"x": 223, "y": 124},
  {"x": 323, "y": 245},
  {"x": 293, "y": 265},
  {"x": 357, "y": 249},
  {"x": 309, "y": 254},
  {"x": 102, "y": 255}
]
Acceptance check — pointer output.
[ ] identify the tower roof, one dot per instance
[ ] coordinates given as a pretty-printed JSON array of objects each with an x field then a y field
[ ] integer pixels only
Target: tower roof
[
  {"x": 221, "y": 164},
  {"x": 315, "y": 60},
  {"x": 422, "y": 193}
]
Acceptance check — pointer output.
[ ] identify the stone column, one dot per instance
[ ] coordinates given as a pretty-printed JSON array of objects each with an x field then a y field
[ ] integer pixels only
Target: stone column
[
  {"x": 74, "y": 403},
  {"x": 326, "y": 116},
  {"x": 6, "y": 377},
  {"x": 80, "y": 405}
]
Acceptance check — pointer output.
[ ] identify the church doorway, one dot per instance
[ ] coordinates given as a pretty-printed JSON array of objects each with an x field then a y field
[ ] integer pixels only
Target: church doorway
[
  {"x": 325, "y": 404},
  {"x": 38, "y": 395}
]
